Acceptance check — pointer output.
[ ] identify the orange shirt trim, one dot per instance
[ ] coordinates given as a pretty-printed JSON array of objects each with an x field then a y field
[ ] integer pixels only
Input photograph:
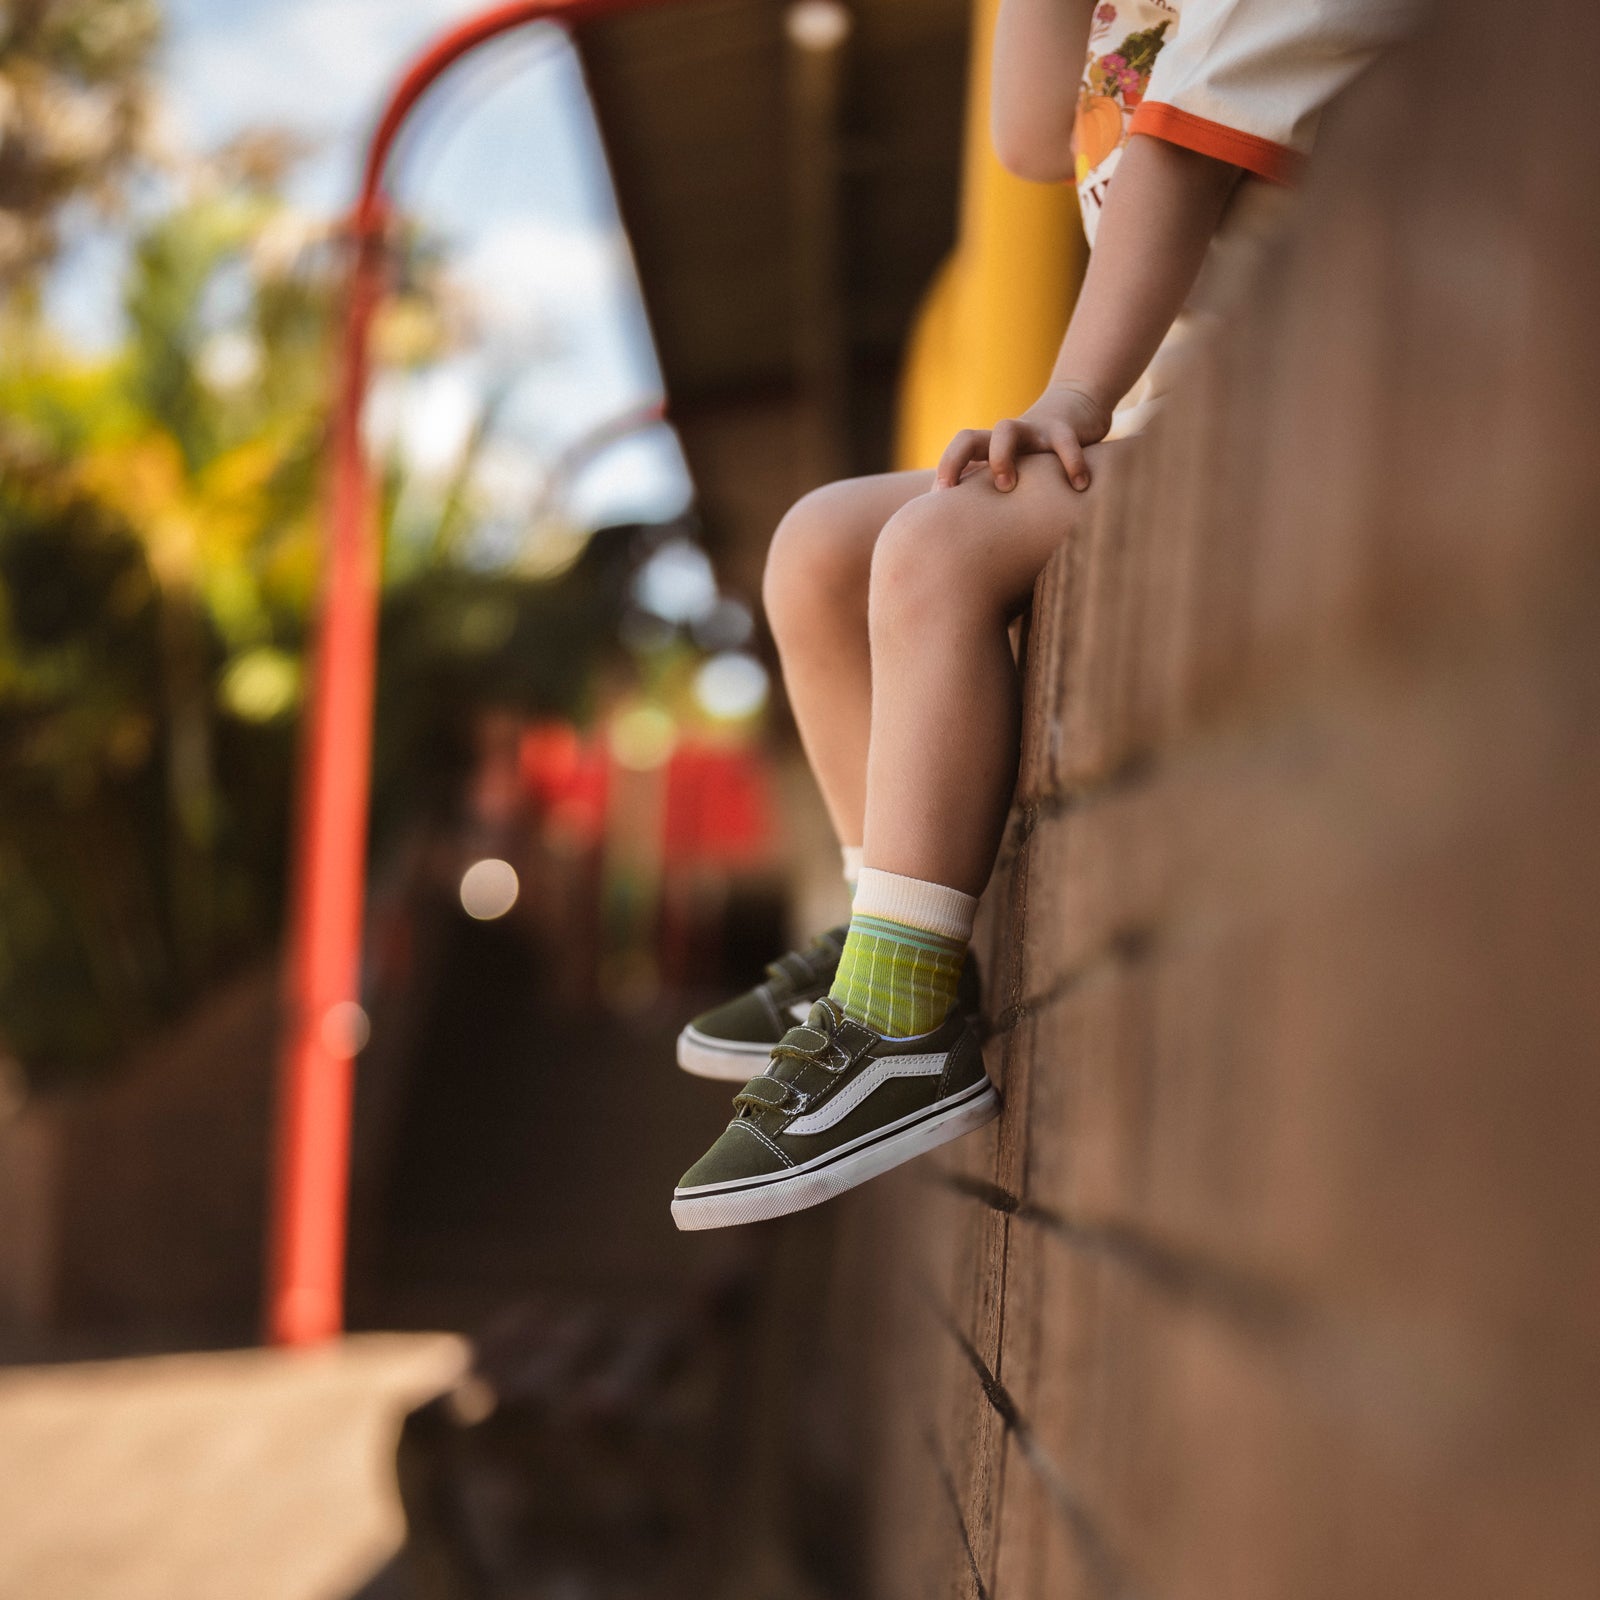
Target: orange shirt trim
[{"x": 1277, "y": 163}]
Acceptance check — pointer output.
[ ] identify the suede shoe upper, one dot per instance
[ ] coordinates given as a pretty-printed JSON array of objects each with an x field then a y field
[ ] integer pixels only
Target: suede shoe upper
[{"x": 830, "y": 1081}]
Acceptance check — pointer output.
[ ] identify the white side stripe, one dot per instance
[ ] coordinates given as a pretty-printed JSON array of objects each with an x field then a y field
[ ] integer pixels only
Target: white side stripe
[{"x": 879, "y": 1072}]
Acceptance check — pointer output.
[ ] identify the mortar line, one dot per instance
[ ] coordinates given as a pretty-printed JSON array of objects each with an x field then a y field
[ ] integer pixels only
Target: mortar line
[
  {"x": 1123, "y": 946},
  {"x": 1098, "y": 1557},
  {"x": 1241, "y": 1295},
  {"x": 930, "y": 1442}
]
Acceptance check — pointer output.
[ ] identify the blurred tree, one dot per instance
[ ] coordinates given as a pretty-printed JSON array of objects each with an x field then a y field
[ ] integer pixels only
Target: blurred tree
[
  {"x": 158, "y": 555},
  {"x": 167, "y": 489},
  {"x": 159, "y": 546},
  {"x": 75, "y": 108}
]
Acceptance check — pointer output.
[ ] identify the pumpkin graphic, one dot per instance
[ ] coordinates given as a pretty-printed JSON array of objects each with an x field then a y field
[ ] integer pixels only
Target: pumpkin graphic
[{"x": 1098, "y": 130}]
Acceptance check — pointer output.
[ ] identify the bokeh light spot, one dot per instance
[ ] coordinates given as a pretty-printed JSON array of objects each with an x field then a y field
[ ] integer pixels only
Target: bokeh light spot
[
  {"x": 726, "y": 626},
  {"x": 731, "y": 686},
  {"x": 818, "y": 24},
  {"x": 345, "y": 1029},
  {"x": 642, "y": 739},
  {"x": 489, "y": 889},
  {"x": 260, "y": 685},
  {"x": 677, "y": 582}
]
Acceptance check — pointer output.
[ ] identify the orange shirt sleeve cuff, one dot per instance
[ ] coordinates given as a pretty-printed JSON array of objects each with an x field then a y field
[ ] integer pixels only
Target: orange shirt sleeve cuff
[{"x": 1277, "y": 163}]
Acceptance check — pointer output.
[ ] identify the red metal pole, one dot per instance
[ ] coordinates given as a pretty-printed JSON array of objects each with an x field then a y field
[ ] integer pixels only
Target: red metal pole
[{"x": 321, "y": 1039}]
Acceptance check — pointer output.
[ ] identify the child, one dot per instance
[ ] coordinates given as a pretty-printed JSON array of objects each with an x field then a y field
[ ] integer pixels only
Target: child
[{"x": 890, "y": 597}]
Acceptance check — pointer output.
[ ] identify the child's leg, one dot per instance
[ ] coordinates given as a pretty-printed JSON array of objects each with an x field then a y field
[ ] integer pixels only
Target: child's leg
[
  {"x": 949, "y": 571},
  {"x": 888, "y": 1066},
  {"x": 815, "y": 593},
  {"x": 816, "y": 599}
]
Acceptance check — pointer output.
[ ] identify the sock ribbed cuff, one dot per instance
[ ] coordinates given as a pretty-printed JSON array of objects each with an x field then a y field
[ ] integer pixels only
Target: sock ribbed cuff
[
  {"x": 850, "y": 855},
  {"x": 915, "y": 903}
]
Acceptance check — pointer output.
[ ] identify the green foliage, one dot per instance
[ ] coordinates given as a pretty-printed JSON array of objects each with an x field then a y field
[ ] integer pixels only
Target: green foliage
[
  {"x": 159, "y": 545},
  {"x": 74, "y": 104},
  {"x": 80, "y": 908}
]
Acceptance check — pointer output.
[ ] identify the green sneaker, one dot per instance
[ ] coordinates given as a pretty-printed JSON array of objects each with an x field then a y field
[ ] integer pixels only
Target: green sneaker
[
  {"x": 733, "y": 1040},
  {"x": 836, "y": 1105}
]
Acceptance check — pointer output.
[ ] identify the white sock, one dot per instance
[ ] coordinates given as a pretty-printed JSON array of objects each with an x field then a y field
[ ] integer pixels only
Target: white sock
[
  {"x": 850, "y": 854},
  {"x": 917, "y": 904}
]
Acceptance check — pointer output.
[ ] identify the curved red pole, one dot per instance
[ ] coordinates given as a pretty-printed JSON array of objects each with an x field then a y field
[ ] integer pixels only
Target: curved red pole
[{"x": 323, "y": 1023}]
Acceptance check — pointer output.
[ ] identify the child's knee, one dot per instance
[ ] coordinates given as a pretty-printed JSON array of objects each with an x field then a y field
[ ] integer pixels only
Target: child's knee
[
  {"x": 819, "y": 558},
  {"x": 928, "y": 564}
]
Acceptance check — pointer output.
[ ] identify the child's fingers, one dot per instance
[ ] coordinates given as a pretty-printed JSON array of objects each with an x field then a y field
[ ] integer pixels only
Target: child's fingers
[
  {"x": 971, "y": 444},
  {"x": 1070, "y": 454},
  {"x": 1003, "y": 445}
]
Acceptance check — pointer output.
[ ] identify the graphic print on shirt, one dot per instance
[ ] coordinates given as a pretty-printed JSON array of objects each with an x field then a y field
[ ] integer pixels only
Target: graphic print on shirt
[{"x": 1125, "y": 38}]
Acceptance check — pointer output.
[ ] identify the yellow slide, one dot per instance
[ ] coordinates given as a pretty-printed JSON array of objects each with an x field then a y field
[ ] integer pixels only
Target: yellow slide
[{"x": 987, "y": 333}]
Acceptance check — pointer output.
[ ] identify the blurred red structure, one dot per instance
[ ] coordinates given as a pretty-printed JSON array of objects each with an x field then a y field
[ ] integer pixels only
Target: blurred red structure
[
  {"x": 323, "y": 1025},
  {"x": 718, "y": 808},
  {"x": 568, "y": 779}
]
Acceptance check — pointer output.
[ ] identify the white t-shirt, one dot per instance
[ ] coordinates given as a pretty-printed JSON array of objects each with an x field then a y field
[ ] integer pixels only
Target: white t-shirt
[{"x": 1244, "y": 81}]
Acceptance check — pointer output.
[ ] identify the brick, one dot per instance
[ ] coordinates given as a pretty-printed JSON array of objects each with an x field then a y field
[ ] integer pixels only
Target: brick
[
  {"x": 1215, "y": 1465},
  {"x": 1095, "y": 880},
  {"x": 1267, "y": 1073},
  {"x": 1040, "y": 1551},
  {"x": 1037, "y": 1553},
  {"x": 1010, "y": 1063}
]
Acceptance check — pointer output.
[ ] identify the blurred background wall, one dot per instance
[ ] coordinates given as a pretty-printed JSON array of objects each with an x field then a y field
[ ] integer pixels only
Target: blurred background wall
[
  {"x": 574, "y": 688},
  {"x": 748, "y": 221},
  {"x": 589, "y": 815}
]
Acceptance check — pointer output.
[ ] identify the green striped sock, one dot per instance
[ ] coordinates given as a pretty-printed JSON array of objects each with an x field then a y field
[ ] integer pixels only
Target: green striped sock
[{"x": 896, "y": 979}]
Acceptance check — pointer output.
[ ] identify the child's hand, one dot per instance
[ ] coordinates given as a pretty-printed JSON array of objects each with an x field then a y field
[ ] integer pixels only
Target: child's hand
[{"x": 1060, "y": 422}]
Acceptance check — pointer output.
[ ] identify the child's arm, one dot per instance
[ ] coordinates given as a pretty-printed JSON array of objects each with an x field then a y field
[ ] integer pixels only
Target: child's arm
[
  {"x": 1163, "y": 207},
  {"x": 1039, "y": 46}
]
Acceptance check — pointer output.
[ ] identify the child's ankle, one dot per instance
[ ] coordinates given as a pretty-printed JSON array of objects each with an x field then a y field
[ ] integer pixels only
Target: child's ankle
[{"x": 902, "y": 959}]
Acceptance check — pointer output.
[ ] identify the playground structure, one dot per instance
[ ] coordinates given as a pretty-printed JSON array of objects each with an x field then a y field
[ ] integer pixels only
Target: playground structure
[{"x": 324, "y": 1025}]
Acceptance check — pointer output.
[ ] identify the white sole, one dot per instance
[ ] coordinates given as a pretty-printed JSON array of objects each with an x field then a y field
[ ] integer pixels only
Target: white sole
[
  {"x": 726, "y": 1205},
  {"x": 706, "y": 1057}
]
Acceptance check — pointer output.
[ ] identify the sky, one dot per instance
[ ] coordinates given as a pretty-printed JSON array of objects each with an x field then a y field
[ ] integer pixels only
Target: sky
[{"x": 503, "y": 162}]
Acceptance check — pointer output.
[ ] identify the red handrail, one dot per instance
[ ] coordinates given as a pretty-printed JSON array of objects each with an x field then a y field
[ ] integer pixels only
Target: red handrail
[{"x": 305, "y": 1295}]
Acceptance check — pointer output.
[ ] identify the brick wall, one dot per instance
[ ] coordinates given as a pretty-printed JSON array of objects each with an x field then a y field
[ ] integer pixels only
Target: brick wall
[{"x": 1278, "y": 1278}]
